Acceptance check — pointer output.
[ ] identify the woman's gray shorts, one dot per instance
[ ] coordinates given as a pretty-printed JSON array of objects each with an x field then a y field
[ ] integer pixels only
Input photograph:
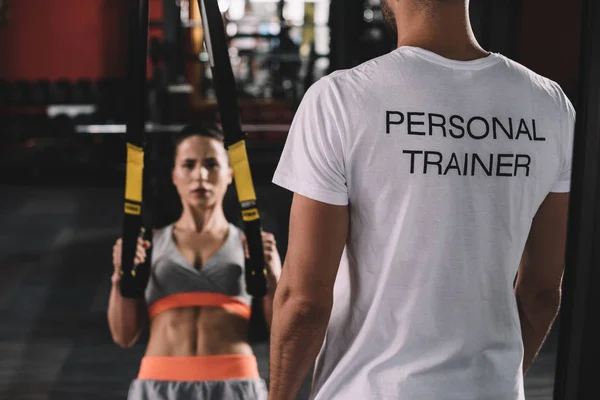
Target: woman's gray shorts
[{"x": 227, "y": 377}]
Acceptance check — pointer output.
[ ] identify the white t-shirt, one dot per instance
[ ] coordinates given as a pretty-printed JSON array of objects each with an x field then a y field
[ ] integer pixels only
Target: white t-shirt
[{"x": 443, "y": 164}]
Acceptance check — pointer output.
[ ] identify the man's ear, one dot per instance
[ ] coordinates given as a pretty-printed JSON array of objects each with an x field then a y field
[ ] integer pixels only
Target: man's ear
[{"x": 230, "y": 178}]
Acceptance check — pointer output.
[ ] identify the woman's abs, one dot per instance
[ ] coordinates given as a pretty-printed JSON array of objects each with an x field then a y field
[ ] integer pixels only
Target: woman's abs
[{"x": 198, "y": 331}]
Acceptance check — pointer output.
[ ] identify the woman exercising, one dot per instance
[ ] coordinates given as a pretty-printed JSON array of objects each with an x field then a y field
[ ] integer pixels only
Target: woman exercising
[{"x": 196, "y": 299}]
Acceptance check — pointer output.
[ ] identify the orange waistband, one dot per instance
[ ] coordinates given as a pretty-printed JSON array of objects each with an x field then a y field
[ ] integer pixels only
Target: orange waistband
[
  {"x": 200, "y": 299},
  {"x": 199, "y": 368}
]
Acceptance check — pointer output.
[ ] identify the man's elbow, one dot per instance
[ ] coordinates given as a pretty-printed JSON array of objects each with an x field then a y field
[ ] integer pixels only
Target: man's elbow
[
  {"x": 550, "y": 298},
  {"x": 543, "y": 301},
  {"x": 303, "y": 304}
]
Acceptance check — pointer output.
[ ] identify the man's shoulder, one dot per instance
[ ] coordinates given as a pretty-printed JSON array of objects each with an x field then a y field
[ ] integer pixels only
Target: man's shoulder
[
  {"x": 540, "y": 84},
  {"x": 372, "y": 77},
  {"x": 351, "y": 83},
  {"x": 362, "y": 73}
]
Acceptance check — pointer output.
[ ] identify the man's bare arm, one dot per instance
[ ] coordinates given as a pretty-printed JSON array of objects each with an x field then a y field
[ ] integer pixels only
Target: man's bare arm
[
  {"x": 538, "y": 287},
  {"x": 304, "y": 296}
]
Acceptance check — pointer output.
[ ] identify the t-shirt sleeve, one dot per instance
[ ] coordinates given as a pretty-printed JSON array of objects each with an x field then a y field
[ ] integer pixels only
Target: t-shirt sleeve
[
  {"x": 312, "y": 161},
  {"x": 563, "y": 183}
]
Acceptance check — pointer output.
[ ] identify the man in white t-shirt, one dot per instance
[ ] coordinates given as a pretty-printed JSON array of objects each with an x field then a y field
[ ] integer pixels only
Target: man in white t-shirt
[{"x": 423, "y": 181}]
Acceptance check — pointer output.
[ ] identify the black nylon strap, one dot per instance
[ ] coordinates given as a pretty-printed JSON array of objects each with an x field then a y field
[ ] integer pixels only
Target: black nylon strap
[
  {"x": 227, "y": 99},
  {"x": 223, "y": 78},
  {"x": 133, "y": 280}
]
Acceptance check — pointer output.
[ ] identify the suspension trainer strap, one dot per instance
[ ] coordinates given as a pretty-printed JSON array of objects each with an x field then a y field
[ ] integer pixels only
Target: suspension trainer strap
[
  {"x": 235, "y": 142},
  {"x": 133, "y": 281}
]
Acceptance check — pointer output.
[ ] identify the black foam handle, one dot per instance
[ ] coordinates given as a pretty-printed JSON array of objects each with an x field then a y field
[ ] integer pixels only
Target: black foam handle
[
  {"x": 256, "y": 280},
  {"x": 134, "y": 280}
]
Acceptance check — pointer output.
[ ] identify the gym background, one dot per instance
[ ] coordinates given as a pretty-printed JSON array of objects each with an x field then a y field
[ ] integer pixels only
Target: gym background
[{"x": 63, "y": 110}]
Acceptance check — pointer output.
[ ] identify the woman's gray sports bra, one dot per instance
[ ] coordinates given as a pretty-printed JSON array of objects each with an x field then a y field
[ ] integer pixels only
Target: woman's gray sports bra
[{"x": 175, "y": 283}]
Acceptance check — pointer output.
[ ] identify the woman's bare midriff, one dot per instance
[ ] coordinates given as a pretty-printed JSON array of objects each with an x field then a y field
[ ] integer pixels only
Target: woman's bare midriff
[{"x": 198, "y": 331}]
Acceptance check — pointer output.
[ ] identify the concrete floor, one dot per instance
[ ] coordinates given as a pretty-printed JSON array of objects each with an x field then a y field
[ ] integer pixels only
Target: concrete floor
[{"x": 55, "y": 268}]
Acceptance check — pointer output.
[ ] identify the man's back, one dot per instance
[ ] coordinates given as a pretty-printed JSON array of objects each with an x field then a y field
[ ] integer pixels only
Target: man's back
[{"x": 444, "y": 164}]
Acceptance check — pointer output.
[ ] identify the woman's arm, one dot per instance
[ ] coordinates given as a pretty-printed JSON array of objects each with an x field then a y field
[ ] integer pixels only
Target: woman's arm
[
  {"x": 125, "y": 316},
  {"x": 268, "y": 299},
  {"x": 273, "y": 261}
]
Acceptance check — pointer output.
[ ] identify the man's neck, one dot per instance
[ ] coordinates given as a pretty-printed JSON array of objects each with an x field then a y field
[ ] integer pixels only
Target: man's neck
[{"x": 443, "y": 29}]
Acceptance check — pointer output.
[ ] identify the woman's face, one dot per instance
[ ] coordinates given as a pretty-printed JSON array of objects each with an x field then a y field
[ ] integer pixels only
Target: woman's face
[{"x": 201, "y": 173}]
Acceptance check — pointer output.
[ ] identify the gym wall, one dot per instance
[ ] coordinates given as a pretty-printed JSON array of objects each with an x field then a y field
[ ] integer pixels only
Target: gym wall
[
  {"x": 549, "y": 40},
  {"x": 69, "y": 39},
  {"x": 75, "y": 39}
]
